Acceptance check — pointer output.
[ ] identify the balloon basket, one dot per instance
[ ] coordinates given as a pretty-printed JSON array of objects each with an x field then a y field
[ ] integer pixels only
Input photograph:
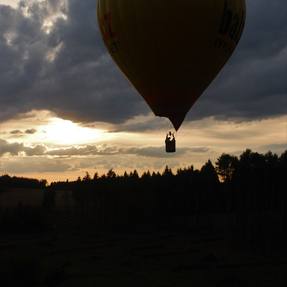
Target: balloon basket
[{"x": 170, "y": 143}]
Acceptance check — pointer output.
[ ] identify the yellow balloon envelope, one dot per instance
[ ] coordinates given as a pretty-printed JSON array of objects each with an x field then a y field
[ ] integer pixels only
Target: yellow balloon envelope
[{"x": 171, "y": 50}]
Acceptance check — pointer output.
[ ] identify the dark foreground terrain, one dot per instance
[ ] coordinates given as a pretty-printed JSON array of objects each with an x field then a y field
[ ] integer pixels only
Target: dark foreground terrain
[{"x": 189, "y": 252}]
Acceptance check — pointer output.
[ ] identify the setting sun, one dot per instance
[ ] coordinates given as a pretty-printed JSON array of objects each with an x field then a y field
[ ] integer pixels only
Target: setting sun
[{"x": 62, "y": 132}]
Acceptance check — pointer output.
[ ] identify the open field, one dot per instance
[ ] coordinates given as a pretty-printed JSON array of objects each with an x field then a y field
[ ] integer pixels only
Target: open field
[
  {"x": 133, "y": 239},
  {"x": 74, "y": 252}
]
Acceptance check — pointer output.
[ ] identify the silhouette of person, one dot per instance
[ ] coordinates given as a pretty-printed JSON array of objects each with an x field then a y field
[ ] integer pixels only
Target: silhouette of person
[
  {"x": 173, "y": 138},
  {"x": 170, "y": 142},
  {"x": 167, "y": 138}
]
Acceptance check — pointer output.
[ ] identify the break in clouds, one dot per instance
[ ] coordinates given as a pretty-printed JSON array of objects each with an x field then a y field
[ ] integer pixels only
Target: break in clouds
[{"x": 53, "y": 58}]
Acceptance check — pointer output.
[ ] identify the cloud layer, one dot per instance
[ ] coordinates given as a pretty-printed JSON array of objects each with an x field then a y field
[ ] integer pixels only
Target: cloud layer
[
  {"x": 16, "y": 149},
  {"x": 52, "y": 58}
]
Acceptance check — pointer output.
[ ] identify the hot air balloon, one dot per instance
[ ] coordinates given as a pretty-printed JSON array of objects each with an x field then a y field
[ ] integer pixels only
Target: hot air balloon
[{"x": 171, "y": 50}]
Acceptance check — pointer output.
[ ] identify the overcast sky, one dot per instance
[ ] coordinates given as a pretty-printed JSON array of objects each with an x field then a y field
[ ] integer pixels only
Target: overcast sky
[{"x": 55, "y": 66}]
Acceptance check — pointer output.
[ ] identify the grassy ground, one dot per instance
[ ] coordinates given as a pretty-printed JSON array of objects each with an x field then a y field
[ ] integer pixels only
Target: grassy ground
[
  {"x": 39, "y": 247},
  {"x": 79, "y": 255}
]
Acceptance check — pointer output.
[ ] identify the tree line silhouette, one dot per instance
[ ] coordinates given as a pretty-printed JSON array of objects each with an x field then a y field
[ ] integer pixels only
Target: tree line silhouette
[
  {"x": 7, "y": 182},
  {"x": 250, "y": 182}
]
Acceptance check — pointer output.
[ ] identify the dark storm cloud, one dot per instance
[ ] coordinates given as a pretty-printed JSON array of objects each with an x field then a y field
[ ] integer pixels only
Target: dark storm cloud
[
  {"x": 68, "y": 71},
  {"x": 253, "y": 84}
]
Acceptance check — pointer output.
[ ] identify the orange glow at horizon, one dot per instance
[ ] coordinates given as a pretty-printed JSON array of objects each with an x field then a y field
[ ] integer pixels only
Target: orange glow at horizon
[{"x": 98, "y": 147}]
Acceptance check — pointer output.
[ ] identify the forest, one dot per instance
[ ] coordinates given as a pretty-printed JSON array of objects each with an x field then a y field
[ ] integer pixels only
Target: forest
[{"x": 252, "y": 183}]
